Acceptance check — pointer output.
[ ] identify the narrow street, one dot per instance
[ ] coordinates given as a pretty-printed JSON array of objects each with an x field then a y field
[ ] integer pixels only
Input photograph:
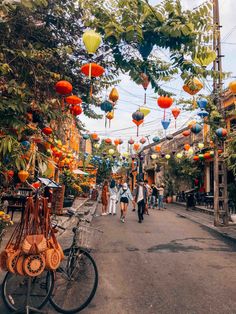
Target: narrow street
[{"x": 166, "y": 265}]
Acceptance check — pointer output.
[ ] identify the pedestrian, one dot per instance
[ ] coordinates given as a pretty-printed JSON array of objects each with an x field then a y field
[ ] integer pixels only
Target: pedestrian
[
  {"x": 154, "y": 196},
  {"x": 141, "y": 198},
  {"x": 104, "y": 198},
  {"x": 113, "y": 196},
  {"x": 160, "y": 197},
  {"x": 134, "y": 193},
  {"x": 149, "y": 193},
  {"x": 124, "y": 195}
]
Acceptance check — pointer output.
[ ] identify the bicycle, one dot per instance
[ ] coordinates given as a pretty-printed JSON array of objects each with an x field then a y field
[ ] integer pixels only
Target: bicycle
[{"x": 77, "y": 275}]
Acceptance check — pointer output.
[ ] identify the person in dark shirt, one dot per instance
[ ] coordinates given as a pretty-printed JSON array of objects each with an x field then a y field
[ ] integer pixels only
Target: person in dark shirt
[{"x": 154, "y": 195}]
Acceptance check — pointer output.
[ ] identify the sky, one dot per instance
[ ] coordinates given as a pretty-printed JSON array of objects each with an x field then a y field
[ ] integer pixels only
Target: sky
[{"x": 132, "y": 95}]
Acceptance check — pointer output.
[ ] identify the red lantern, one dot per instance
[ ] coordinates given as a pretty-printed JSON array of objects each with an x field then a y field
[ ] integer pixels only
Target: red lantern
[
  {"x": 164, "y": 102},
  {"x": 63, "y": 87},
  {"x": 47, "y": 131},
  {"x": 94, "y": 136},
  {"x": 10, "y": 174},
  {"x": 95, "y": 69},
  {"x": 73, "y": 100},
  {"x": 131, "y": 141},
  {"x": 116, "y": 142},
  {"x": 175, "y": 112},
  {"x": 157, "y": 148},
  {"x": 145, "y": 80},
  {"x": 136, "y": 146},
  {"x": 186, "y": 133},
  {"x": 207, "y": 155},
  {"x": 196, "y": 158},
  {"x": 187, "y": 147},
  {"x": 143, "y": 140},
  {"x": 108, "y": 141},
  {"x": 36, "y": 185},
  {"x": 76, "y": 110}
]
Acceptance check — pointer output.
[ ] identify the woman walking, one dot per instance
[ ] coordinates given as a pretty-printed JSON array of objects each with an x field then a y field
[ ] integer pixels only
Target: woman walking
[
  {"x": 124, "y": 196},
  {"x": 160, "y": 197},
  {"x": 113, "y": 194},
  {"x": 104, "y": 198}
]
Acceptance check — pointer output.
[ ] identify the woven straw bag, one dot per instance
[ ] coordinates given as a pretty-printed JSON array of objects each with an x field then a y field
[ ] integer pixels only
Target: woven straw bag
[
  {"x": 34, "y": 265},
  {"x": 12, "y": 261},
  {"x": 19, "y": 265},
  {"x": 34, "y": 243}
]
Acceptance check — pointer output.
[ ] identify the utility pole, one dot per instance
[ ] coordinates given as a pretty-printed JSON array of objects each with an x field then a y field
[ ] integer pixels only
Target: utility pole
[{"x": 220, "y": 171}]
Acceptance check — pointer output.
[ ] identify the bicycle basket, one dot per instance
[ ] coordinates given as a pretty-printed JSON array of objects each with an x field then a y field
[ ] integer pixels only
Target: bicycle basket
[{"x": 88, "y": 236}]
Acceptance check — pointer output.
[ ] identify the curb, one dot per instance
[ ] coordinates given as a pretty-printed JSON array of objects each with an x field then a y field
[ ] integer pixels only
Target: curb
[{"x": 209, "y": 226}]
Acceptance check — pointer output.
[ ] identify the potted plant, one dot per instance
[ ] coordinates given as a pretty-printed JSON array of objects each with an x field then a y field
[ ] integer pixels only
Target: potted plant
[
  {"x": 5, "y": 221},
  {"x": 169, "y": 188}
]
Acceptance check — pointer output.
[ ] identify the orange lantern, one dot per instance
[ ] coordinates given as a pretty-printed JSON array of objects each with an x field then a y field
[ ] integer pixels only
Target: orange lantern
[
  {"x": 94, "y": 136},
  {"x": 187, "y": 147},
  {"x": 175, "y": 112},
  {"x": 76, "y": 110},
  {"x": 157, "y": 148},
  {"x": 136, "y": 146},
  {"x": 207, "y": 155},
  {"x": 195, "y": 158},
  {"x": 96, "y": 69},
  {"x": 110, "y": 116},
  {"x": 114, "y": 96},
  {"x": 164, "y": 102},
  {"x": 186, "y": 133},
  {"x": 108, "y": 141},
  {"x": 23, "y": 175},
  {"x": 73, "y": 100},
  {"x": 47, "y": 131},
  {"x": 192, "y": 86},
  {"x": 116, "y": 142},
  {"x": 63, "y": 87}
]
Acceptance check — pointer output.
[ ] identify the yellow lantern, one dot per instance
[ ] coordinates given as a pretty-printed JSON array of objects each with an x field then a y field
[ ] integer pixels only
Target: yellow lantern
[
  {"x": 92, "y": 41},
  {"x": 167, "y": 156},
  {"x": 200, "y": 145},
  {"x": 190, "y": 151},
  {"x": 191, "y": 124},
  {"x": 193, "y": 86},
  {"x": 232, "y": 87},
  {"x": 114, "y": 95},
  {"x": 96, "y": 146},
  {"x": 111, "y": 151},
  {"x": 179, "y": 155},
  {"x": 154, "y": 156},
  {"x": 126, "y": 154},
  {"x": 205, "y": 56},
  {"x": 145, "y": 110}
]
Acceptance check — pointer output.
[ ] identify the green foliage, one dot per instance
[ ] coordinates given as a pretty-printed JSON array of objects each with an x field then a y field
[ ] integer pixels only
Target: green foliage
[{"x": 231, "y": 154}]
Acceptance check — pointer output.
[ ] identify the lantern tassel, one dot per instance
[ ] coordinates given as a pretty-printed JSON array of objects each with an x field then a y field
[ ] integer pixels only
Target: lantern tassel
[
  {"x": 175, "y": 123},
  {"x": 105, "y": 122},
  {"x": 145, "y": 97},
  {"x": 91, "y": 90},
  {"x": 109, "y": 123},
  {"x": 137, "y": 131},
  {"x": 62, "y": 104},
  {"x": 164, "y": 114},
  {"x": 90, "y": 70}
]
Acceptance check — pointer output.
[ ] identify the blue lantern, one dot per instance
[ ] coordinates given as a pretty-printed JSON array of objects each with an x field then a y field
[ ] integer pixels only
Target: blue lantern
[
  {"x": 25, "y": 145},
  {"x": 202, "y": 103},
  {"x": 85, "y": 136},
  {"x": 203, "y": 114},
  {"x": 221, "y": 132},
  {"x": 165, "y": 124},
  {"x": 156, "y": 139},
  {"x": 106, "y": 106},
  {"x": 196, "y": 128}
]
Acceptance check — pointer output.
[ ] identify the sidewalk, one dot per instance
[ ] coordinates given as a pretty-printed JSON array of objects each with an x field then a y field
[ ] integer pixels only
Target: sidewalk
[{"x": 203, "y": 218}]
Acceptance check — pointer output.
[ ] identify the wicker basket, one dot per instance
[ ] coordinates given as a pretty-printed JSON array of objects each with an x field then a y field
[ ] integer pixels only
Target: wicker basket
[{"x": 88, "y": 237}]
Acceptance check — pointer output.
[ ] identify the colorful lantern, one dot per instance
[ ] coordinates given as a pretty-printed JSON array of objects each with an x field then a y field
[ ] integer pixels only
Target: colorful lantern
[
  {"x": 232, "y": 87},
  {"x": 192, "y": 86},
  {"x": 175, "y": 112},
  {"x": 108, "y": 141},
  {"x": 179, "y": 155},
  {"x": 116, "y": 141},
  {"x": 63, "y": 87},
  {"x": 10, "y": 174},
  {"x": 164, "y": 102},
  {"x": 207, "y": 155},
  {"x": 136, "y": 146},
  {"x": 195, "y": 158},
  {"x": 205, "y": 57},
  {"x": 190, "y": 152},
  {"x": 203, "y": 114},
  {"x": 200, "y": 145},
  {"x": 169, "y": 137},
  {"x": 142, "y": 140},
  {"x": 167, "y": 156},
  {"x": 110, "y": 116},
  {"x": 165, "y": 124},
  {"x": 85, "y": 136},
  {"x": 138, "y": 118},
  {"x": 201, "y": 156},
  {"x": 106, "y": 106},
  {"x": 96, "y": 146},
  {"x": 156, "y": 139},
  {"x": 202, "y": 103},
  {"x": 212, "y": 153},
  {"x": 76, "y": 110},
  {"x": 92, "y": 70},
  {"x": 111, "y": 151},
  {"x": 131, "y": 141},
  {"x": 114, "y": 96},
  {"x": 92, "y": 41},
  {"x": 145, "y": 110},
  {"x": 196, "y": 128},
  {"x": 158, "y": 148},
  {"x": 153, "y": 156},
  {"x": 191, "y": 123},
  {"x": 73, "y": 100},
  {"x": 145, "y": 83},
  {"x": 36, "y": 185},
  {"x": 221, "y": 132},
  {"x": 25, "y": 145},
  {"x": 94, "y": 136},
  {"x": 23, "y": 175},
  {"x": 187, "y": 147},
  {"x": 186, "y": 133},
  {"x": 47, "y": 131}
]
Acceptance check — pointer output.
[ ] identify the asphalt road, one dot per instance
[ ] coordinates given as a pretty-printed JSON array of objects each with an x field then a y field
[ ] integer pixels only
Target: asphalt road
[{"x": 166, "y": 265}]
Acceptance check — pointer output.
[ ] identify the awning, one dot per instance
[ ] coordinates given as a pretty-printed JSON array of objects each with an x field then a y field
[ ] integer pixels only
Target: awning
[{"x": 78, "y": 171}]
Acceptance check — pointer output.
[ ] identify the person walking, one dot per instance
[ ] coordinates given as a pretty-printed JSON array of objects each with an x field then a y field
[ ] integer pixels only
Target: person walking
[
  {"x": 160, "y": 197},
  {"x": 104, "y": 198},
  {"x": 141, "y": 199},
  {"x": 124, "y": 195},
  {"x": 154, "y": 196},
  {"x": 112, "y": 200},
  {"x": 149, "y": 194}
]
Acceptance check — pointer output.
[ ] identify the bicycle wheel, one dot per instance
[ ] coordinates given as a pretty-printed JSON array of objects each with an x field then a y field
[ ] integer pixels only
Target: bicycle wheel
[
  {"x": 14, "y": 290},
  {"x": 76, "y": 282}
]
